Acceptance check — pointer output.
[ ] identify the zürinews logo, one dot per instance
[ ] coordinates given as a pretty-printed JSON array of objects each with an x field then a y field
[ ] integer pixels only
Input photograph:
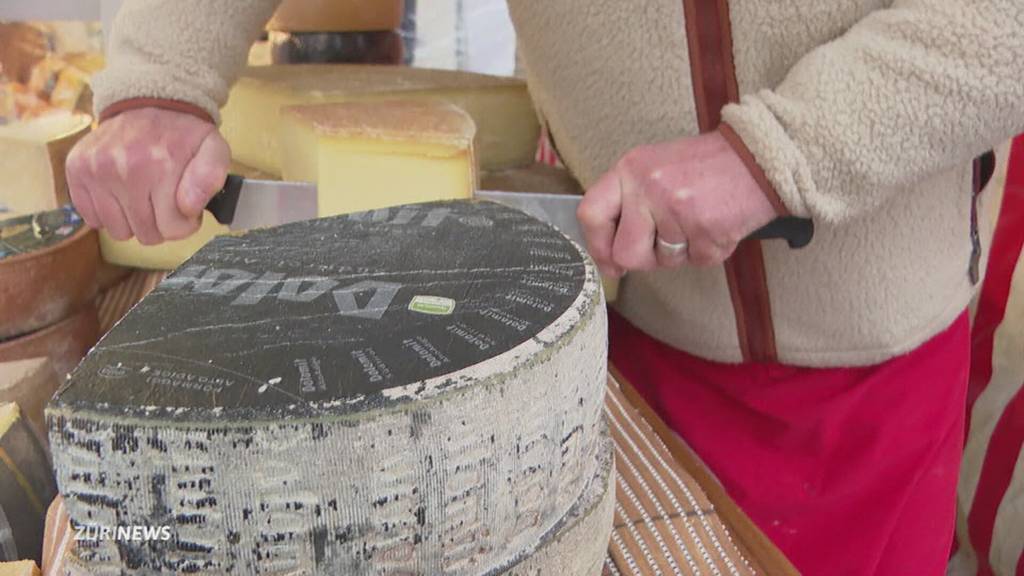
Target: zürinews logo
[{"x": 97, "y": 533}]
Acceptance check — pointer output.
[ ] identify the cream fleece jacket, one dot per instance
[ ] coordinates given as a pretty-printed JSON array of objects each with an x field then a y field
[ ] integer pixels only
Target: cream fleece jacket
[{"x": 863, "y": 115}]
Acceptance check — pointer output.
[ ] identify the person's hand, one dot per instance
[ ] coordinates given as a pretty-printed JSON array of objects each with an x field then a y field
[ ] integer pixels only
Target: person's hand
[
  {"x": 147, "y": 173},
  {"x": 687, "y": 201}
]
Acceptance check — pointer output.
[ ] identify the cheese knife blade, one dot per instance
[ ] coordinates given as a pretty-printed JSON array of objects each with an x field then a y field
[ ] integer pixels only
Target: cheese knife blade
[{"x": 247, "y": 203}]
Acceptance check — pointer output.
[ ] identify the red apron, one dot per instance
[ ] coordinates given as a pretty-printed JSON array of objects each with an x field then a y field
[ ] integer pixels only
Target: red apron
[{"x": 850, "y": 471}]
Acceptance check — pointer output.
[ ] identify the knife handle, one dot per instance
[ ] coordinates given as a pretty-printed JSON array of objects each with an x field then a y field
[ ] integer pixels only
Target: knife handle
[
  {"x": 223, "y": 203},
  {"x": 798, "y": 232}
]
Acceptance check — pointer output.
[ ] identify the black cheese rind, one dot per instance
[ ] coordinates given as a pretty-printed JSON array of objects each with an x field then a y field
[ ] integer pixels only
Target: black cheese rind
[{"x": 327, "y": 314}]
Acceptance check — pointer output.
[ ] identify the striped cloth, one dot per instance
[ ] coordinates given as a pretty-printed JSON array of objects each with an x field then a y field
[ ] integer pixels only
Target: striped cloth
[
  {"x": 990, "y": 530},
  {"x": 671, "y": 516}
]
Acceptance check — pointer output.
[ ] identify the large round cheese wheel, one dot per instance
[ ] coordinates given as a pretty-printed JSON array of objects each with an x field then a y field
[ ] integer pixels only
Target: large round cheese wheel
[
  {"x": 415, "y": 390},
  {"x": 579, "y": 544}
]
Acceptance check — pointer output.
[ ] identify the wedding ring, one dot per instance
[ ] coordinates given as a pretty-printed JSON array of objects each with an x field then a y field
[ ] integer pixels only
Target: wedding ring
[{"x": 673, "y": 248}]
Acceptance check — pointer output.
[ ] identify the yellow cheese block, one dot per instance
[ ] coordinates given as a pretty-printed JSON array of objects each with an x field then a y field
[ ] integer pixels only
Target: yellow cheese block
[
  {"x": 32, "y": 155},
  {"x": 169, "y": 255},
  {"x": 337, "y": 15},
  {"x": 20, "y": 568},
  {"x": 29, "y": 383},
  {"x": 507, "y": 128},
  {"x": 368, "y": 155},
  {"x": 165, "y": 256}
]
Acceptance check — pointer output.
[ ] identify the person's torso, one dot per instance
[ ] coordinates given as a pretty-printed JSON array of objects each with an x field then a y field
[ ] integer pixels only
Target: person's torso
[{"x": 607, "y": 76}]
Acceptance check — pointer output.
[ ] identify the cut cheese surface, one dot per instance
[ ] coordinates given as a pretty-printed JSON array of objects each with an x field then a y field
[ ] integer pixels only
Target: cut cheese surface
[
  {"x": 410, "y": 390},
  {"x": 337, "y": 15},
  {"x": 32, "y": 155},
  {"x": 369, "y": 155},
  {"x": 507, "y": 127}
]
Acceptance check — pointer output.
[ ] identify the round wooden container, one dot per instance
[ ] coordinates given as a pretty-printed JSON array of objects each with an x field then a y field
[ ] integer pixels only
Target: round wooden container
[
  {"x": 64, "y": 343},
  {"x": 42, "y": 287}
]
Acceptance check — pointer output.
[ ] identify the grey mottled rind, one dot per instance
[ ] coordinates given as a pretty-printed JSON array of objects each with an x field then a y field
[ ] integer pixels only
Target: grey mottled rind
[{"x": 458, "y": 473}]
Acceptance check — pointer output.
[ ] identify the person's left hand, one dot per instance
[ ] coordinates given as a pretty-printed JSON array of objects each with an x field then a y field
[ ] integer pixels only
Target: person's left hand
[{"x": 686, "y": 201}]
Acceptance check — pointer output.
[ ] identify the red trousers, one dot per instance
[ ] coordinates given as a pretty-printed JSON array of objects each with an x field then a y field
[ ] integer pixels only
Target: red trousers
[{"x": 850, "y": 471}]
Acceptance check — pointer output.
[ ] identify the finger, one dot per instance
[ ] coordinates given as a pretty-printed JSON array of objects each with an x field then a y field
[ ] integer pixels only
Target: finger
[
  {"x": 79, "y": 191},
  {"x": 633, "y": 248},
  {"x": 598, "y": 215},
  {"x": 669, "y": 233},
  {"x": 138, "y": 209},
  {"x": 110, "y": 215},
  {"x": 204, "y": 175},
  {"x": 704, "y": 253},
  {"x": 172, "y": 224}
]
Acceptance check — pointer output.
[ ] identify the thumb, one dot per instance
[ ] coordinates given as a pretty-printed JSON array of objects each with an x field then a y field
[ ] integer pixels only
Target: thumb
[{"x": 204, "y": 175}]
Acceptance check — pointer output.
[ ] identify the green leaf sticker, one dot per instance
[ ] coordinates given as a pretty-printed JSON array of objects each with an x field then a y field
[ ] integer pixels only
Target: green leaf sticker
[{"x": 435, "y": 305}]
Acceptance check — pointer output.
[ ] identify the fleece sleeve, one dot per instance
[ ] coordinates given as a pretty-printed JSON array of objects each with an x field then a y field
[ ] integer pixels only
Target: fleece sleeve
[
  {"x": 905, "y": 93},
  {"x": 182, "y": 51}
]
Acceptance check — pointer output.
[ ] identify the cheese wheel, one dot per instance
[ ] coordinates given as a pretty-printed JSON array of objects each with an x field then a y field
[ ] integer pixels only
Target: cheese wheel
[
  {"x": 415, "y": 390},
  {"x": 48, "y": 268},
  {"x": 32, "y": 155},
  {"x": 337, "y": 15},
  {"x": 579, "y": 545},
  {"x": 506, "y": 123}
]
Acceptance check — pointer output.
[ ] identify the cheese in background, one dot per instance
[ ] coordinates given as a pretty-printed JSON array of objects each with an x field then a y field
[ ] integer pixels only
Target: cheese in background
[
  {"x": 164, "y": 256},
  {"x": 337, "y": 15},
  {"x": 29, "y": 383},
  {"x": 506, "y": 124},
  {"x": 368, "y": 155},
  {"x": 32, "y": 155},
  {"x": 19, "y": 568},
  {"x": 169, "y": 255}
]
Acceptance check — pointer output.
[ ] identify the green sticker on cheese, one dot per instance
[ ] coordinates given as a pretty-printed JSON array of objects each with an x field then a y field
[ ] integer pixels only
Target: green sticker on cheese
[{"x": 436, "y": 305}]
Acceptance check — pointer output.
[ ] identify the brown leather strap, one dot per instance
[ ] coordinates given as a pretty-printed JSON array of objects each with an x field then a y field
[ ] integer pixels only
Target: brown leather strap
[
  {"x": 740, "y": 147},
  {"x": 709, "y": 37}
]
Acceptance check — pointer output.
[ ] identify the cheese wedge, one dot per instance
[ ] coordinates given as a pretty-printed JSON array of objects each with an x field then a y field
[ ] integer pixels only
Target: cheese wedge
[
  {"x": 337, "y": 15},
  {"x": 507, "y": 128},
  {"x": 29, "y": 383},
  {"x": 20, "y": 568},
  {"x": 369, "y": 155},
  {"x": 32, "y": 155}
]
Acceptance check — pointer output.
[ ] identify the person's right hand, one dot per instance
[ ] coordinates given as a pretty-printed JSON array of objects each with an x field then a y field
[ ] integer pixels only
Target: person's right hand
[{"x": 147, "y": 173}]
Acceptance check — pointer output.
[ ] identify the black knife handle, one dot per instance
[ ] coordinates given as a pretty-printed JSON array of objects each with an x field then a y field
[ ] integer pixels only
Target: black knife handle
[
  {"x": 223, "y": 203},
  {"x": 796, "y": 231}
]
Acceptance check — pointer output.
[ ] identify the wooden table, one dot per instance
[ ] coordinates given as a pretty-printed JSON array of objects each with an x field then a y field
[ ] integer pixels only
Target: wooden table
[{"x": 671, "y": 516}]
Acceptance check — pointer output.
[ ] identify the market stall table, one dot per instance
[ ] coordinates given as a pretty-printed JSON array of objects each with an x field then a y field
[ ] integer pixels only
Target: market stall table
[{"x": 671, "y": 516}]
